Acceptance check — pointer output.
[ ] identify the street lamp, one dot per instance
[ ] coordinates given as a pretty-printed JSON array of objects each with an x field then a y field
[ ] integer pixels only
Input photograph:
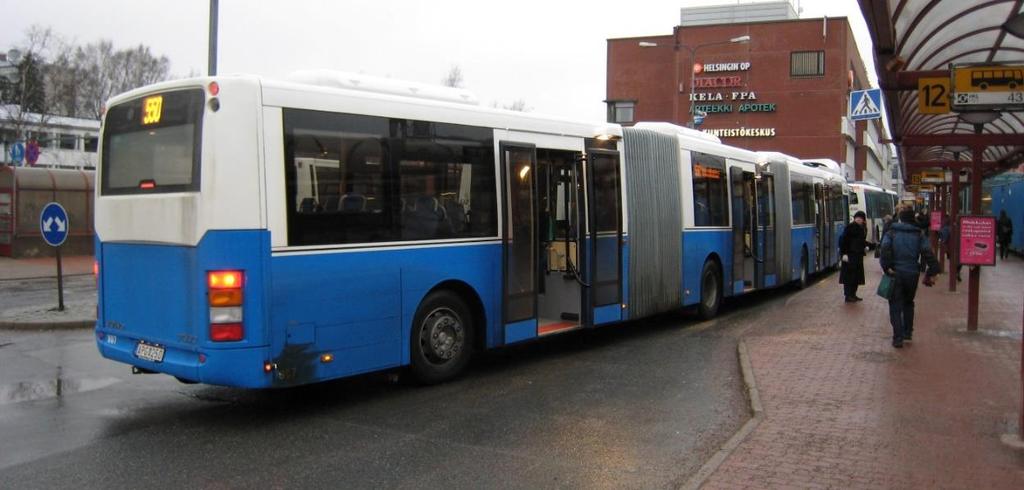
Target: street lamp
[
  {"x": 693, "y": 62},
  {"x": 1015, "y": 26}
]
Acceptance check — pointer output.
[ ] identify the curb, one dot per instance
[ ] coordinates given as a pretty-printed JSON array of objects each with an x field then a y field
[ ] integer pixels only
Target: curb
[
  {"x": 43, "y": 276},
  {"x": 757, "y": 412},
  {"x": 40, "y": 326}
]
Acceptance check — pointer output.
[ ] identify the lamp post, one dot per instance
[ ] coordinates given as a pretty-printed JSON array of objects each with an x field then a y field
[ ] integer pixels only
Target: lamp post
[
  {"x": 212, "y": 56},
  {"x": 693, "y": 65},
  {"x": 693, "y": 62}
]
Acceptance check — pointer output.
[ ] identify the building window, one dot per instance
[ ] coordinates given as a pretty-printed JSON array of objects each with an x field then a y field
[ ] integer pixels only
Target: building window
[
  {"x": 90, "y": 143},
  {"x": 68, "y": 141},
  {"x": 621, "y": 111},
  {"x": 807, "y": 64}
]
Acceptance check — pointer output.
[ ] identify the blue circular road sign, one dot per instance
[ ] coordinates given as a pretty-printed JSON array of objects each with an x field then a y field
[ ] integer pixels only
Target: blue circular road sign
[
  {"x": 17, "y": 152},
  {"x": 54, "y": 224}
]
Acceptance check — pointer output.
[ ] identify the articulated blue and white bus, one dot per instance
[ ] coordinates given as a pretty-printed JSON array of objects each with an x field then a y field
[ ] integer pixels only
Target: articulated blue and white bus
[
  {"x": 260, "y": 233},
  {"x": 877, "y": 203}
]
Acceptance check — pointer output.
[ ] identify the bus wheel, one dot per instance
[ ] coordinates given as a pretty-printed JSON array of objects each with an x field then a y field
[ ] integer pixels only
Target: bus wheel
[
  {"x": 710, "y": 290},
  {"x": 441, "y": 337},
  {"x": 804, "y": 281}
]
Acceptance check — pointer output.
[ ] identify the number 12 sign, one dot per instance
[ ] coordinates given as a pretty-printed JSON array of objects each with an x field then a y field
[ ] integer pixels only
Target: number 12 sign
[{"x": 933, "y": 95}]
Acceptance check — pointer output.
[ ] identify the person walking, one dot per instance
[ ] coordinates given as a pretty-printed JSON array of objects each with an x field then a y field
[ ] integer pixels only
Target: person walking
[
  {"x": 946, "y": 244},
  {"x": 852, "y": 244},
  {"x": 922, "y": 220},
  {"x": 903, "y": 248},
  {"x": 1004, "y": 229}
]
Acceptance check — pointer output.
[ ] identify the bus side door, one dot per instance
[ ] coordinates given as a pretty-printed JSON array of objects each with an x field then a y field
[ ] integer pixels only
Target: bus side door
[
  {"x": 604, "y": 220},
  {"x": 519, "y": 258}
]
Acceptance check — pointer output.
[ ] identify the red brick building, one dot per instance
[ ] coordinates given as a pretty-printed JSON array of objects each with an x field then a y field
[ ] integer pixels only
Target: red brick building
[{"x": 774, "y": 85}]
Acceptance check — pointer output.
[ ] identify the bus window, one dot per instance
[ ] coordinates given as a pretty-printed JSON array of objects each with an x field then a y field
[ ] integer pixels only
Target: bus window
[
  {"x": 709, "y": 190},
  {"x": 152, "y": 144},
  {"x": 363, "y": 179},
  {"x": 803, "y": 200},
  {"x": 446, "y": 181}
]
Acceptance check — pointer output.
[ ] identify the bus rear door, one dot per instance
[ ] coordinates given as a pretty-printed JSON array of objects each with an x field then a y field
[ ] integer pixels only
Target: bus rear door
[{"x": 750, "y": 244}]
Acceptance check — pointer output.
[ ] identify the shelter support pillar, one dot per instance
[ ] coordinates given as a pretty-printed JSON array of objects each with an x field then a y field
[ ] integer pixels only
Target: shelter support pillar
[
  {"x": 940, "y": 249},
  {"x": 954, "y": 229},
  {"x": 974, "y": 281}
]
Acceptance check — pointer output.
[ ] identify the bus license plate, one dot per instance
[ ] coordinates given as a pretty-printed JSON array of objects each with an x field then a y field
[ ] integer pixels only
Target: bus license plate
[{"x": 148, "y": 352}]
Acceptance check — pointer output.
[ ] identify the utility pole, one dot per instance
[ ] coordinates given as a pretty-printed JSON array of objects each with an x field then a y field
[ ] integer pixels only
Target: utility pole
[{"x": 213, "y": 39}]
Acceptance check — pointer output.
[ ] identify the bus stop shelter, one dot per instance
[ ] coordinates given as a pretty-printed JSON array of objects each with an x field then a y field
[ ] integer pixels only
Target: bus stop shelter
[{"x": 952, "y": 74}]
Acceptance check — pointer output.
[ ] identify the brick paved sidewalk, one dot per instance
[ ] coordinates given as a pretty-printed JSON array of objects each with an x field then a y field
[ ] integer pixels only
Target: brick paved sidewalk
[{"x": 843, "y": 409}]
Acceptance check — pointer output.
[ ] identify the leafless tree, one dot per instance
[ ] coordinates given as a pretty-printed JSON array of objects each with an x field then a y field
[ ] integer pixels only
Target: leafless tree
[
  {"x": 24, "y": 102},
  {"x": 453, "y": 78},
  {"x": 85, "y": 77},
  {"x": 518, "y": 105}
]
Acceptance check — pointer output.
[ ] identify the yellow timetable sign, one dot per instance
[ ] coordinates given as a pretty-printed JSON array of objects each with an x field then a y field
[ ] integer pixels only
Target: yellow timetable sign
[
  {"x": 933, "y": 177},
  {"x": 987, "y": 86}
]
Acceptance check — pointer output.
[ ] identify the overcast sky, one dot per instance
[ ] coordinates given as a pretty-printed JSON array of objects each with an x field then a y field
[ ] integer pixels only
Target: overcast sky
[{"x": 549, "y": 53}]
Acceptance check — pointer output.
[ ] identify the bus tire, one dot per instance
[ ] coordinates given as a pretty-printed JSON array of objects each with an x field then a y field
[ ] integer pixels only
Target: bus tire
[
  {"x": 442, "y": 338},
  {"x": 710, "y": 290},
  {"x": 803, "y": 280}
]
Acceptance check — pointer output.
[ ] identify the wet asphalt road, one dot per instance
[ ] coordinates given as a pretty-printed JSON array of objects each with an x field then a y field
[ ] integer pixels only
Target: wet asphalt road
[{"x": 644, "y": 404}]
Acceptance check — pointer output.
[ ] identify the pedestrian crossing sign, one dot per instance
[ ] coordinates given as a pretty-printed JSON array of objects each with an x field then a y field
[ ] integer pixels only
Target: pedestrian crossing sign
[{"x": 866, "y": 104}]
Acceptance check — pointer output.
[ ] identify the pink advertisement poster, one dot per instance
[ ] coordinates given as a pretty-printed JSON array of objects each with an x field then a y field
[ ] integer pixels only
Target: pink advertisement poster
[
  {"x": 936, "y": 222},
  {"x": 978, "y": 240}
]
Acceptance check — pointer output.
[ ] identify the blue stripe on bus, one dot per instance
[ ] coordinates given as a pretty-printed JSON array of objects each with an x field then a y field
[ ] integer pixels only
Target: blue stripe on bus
[
  {"x": 698, "y": 246},
  {"x": 625, "y": 277},
  {"x": 802, "y": 237},
  {"x": 770, "y": 280},
  {"x": 607, "y": 314},
  {"x": 160, "y": 298},
  {"x": 362, "y": 303},
  {"x": 520, "y": 331},
  {"x": 355, "y": 305}
]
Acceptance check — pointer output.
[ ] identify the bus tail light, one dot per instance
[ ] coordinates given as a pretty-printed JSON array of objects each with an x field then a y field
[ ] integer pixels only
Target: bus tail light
[
  {"x": 226, "y": 332},
  {"x": 226, "y": 296}
]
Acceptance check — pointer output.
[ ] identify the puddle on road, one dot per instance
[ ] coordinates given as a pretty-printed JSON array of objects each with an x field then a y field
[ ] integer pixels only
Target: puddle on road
[{"x": 52, "y": 388}]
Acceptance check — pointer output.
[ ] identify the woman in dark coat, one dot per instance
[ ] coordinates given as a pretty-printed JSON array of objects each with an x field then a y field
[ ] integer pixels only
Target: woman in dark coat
[{"x": 851, "y": 245}]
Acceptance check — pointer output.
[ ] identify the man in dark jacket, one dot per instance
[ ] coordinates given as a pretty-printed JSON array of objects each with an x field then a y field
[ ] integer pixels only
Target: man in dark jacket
[
  {"x": 902, "y": 250},
  {"x": 851, "y": 245},
  {"x": 1004, "y": 231}
]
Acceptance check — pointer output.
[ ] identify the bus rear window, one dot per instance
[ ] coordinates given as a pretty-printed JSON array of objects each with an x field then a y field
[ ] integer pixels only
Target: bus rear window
[{"x": 152, "y": 144}]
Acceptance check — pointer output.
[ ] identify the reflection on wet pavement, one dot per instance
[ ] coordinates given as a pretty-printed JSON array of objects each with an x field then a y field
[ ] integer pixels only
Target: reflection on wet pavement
[{"x": 52, "y": 388}]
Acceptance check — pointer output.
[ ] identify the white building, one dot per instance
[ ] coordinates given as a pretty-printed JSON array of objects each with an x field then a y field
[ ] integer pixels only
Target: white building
[{"x": 64, "y": 142}]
